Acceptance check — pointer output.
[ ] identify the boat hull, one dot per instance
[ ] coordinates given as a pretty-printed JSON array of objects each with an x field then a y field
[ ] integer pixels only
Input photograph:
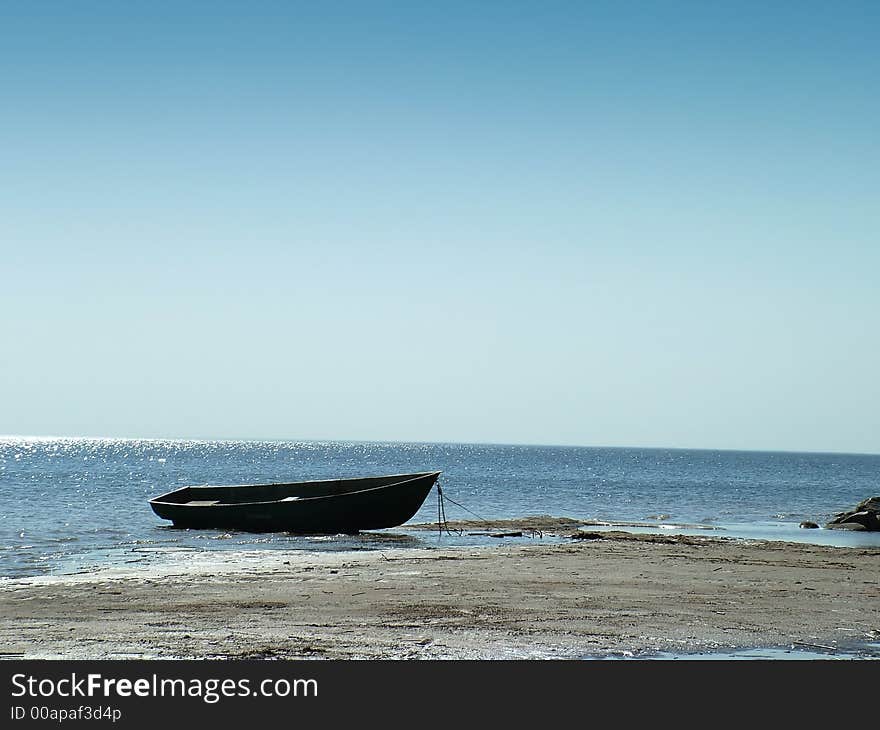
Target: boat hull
[{"x": 345, "y": 506}]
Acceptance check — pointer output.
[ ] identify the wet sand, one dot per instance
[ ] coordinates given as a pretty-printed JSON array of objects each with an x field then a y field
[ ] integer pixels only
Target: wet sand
[{"x": 527, "y": 598}]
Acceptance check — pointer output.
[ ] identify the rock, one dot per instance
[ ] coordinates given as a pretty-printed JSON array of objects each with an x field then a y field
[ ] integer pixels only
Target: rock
[
  {"x": 854, "y": 526},
  {"x": 866, "y": 516},
  {"x": 872, "y": 504},
  {"x": 869, "y": 520},
  {"x": 807, "y": 525}
]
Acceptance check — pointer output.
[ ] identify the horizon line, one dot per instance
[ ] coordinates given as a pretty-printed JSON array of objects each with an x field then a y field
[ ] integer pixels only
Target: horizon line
[{"x": 11, "y": 437}]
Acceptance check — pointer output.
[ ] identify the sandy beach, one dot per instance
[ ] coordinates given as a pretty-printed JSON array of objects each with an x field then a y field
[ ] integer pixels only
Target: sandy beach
[{"x": 614, "y": 595}]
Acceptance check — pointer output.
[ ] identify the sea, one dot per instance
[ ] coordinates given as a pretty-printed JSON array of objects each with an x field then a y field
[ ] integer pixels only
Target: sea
[{"x": 71, "y": 505}]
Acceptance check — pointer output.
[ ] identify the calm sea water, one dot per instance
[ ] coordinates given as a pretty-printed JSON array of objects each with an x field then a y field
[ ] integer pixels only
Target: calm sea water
[{"x": 69, "y": 504}]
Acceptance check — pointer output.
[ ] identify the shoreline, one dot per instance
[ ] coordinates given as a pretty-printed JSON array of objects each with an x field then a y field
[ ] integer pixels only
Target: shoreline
[{"x": 612, "y": 594}]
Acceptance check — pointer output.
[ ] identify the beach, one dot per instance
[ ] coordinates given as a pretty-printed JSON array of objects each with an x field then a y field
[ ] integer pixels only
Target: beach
[{"x": 607, "y": 594}]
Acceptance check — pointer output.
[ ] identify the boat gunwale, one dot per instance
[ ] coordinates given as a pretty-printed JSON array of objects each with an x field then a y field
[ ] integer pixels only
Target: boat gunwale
[{"x": 411, "y": 478}]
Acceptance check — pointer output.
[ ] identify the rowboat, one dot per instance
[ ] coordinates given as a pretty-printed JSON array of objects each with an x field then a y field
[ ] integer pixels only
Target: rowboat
[{"x": 329, "y": 506}]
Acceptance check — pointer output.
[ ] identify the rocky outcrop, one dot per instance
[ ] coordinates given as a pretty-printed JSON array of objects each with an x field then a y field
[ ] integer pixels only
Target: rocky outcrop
[
  {"x": 865, "y": 516},
  {"x": 872, "y": 504},
  {"x": 807, "y": 525}
]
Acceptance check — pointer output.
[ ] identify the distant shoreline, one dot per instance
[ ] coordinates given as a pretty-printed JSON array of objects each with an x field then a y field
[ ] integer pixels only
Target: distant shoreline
[{"x": 619, "y": 594}]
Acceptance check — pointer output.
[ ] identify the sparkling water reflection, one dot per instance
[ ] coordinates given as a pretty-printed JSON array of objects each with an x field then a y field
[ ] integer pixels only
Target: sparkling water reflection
[{"x": 68, "y": 503}]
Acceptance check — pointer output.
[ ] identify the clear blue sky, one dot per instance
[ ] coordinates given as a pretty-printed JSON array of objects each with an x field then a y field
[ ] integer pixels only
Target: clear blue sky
[{"x": 614, "y": 223}]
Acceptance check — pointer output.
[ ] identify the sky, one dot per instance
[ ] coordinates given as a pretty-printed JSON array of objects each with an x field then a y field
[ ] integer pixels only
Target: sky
[{"x": 586, "y": 223}]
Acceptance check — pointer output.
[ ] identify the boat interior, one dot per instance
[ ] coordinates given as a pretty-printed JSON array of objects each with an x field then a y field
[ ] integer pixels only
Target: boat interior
[{"x": 208, "y": 496}]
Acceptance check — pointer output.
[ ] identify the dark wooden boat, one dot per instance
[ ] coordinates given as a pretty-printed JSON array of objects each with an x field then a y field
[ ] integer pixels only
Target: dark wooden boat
[{"x": 328, "y": 506}]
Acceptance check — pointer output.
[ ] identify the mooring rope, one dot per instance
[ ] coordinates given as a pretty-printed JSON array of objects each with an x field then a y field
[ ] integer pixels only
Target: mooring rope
[
  {"x": 443, "y": 522},
  {"x": 449, "y": 499}
]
